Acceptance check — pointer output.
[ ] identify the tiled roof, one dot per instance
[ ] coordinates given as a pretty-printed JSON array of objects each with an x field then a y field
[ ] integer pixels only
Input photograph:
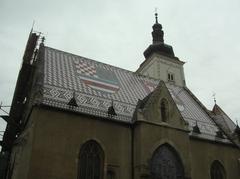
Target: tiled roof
[
  {"x": 222, "y": 119},
  {"x": 97, "y": 85}
]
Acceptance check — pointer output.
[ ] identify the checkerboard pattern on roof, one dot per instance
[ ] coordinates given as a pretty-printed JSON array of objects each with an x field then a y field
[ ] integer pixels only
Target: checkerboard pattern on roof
[{"x": 84, "y": 68}]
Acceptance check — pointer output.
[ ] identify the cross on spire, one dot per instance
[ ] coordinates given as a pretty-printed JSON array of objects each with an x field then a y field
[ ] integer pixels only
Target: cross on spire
[
  {"x": 156, "y": 15},
  {"x": 214, "y": 97}
]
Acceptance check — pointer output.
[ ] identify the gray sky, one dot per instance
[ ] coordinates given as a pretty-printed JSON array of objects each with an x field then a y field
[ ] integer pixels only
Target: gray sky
[{"x": 204, "y": 34}]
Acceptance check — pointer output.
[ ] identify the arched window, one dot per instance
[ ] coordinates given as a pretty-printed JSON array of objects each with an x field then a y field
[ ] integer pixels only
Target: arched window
[
  {"x": 91, "y": 160},
  {"x": 217, "y": 170},
  {"x": 165, "y": 163},
  {"x": 164, "y": 110}
]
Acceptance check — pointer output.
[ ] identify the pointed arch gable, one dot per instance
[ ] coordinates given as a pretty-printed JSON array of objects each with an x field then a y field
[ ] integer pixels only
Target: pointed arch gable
[
  {"x": 91, "y": 161},
  {"x": 166, "y": 163}
]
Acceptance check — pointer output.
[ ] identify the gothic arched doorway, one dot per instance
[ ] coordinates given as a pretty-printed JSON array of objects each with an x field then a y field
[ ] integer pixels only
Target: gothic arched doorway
[{"x": 166, "y": 164}]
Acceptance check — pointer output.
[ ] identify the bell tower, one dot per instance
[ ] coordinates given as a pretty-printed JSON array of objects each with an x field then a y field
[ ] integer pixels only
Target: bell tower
[{"x": 160, "y": 61}]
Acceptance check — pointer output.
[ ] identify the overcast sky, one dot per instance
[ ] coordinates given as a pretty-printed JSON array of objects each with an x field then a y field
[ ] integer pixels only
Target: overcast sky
[{"x": 204, "y": 34}]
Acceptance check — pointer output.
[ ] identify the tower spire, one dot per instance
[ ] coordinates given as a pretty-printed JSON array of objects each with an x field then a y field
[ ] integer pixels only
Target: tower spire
[
  {"x": 157, "y": 32},
  {"x": 158, "y": 45}
]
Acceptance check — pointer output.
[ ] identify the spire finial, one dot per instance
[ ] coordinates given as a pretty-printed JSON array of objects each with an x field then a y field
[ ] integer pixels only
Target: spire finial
[
  {"x": 214, "y": 97},
  {"x": 73, "y": 102},
  {"x": 32, "y": 25},
  {"x": 196, "y": 128},
  {"x": 111, "y": 111},
  {"x": 156, "y": 15}
]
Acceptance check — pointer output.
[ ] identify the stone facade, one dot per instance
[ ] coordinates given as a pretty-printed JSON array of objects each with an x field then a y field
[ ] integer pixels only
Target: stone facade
[{"x": 51, "y": 147}]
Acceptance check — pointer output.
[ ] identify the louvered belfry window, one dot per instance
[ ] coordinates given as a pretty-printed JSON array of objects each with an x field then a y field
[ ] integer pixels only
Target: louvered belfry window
[
  {"x": 217, "y": 170},
  {"x": 91, "y": 160}
]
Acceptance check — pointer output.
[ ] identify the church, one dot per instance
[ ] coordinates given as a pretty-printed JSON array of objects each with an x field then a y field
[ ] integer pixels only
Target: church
[{"x": 77, "y": 118}]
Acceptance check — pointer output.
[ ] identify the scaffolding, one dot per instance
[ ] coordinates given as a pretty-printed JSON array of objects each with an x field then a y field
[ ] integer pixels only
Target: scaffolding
[{"x": 13, "y": 115}]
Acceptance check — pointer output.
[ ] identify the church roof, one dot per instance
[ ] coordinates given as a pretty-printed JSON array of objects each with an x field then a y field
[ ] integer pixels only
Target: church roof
[
  {"x": 222, "y": 119},
  {"x": 96, "y": 86}
]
